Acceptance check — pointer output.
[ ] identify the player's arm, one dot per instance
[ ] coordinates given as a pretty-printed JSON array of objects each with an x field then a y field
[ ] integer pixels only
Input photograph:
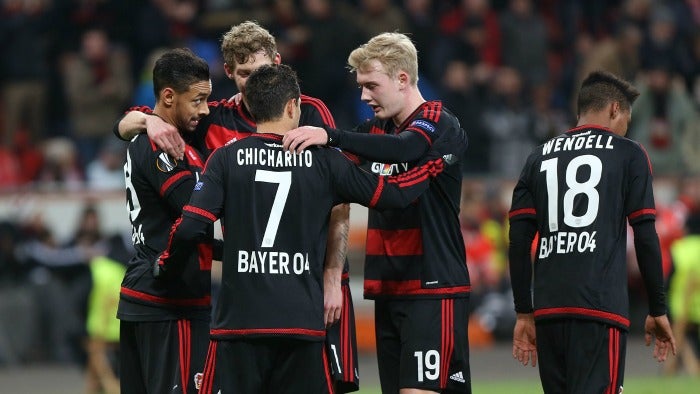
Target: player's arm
[
  {"x": 202, "y": 210},
  {"x": 142, "y": 119},
  {"x": 336, "y": 249},
  {"x": 403, "y": 147},
  {"x": 656, "y": 326}
]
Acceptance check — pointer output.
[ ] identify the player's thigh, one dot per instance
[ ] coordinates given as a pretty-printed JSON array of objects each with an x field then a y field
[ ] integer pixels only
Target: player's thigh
[
  {"x": 341, "y": 347},
  {"x": 234, "y": 365},
  {"x": 434, "y": 345},
  {"x": 130, "y": 371},
  {"x": 300, "y": 367},
  {"x": 387, "y": 319},
  {"x": 595, "y": 358},
  {"x": 580, "y": 356}
]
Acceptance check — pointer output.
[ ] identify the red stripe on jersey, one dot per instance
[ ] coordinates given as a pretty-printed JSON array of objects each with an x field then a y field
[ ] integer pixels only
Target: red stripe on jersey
[
  {"x": 206, "y": 255},
  {"x": 523, "y": 211},
  {"x": 636, "y": 214},
  {"x": 432, "y": 110},
  {"x": 394, "y": 242},
  {"x": 326, "y": 372},
  {"x": 376, "y": 130},
  {"x": 571, "y": 310},
  {"x": 377, "y": 193},
  {"x": 218, "y": 136},
  {"x": 176, "y": 177},
  {"x": 651, "y": 171},
  {"x": 421, "y": 132},
  {"x": 209, "y": 368},
  {"x": 183, "y": 331},
  {"x": 245, "y": 117},
  {"x": 348, "y": 362},
  {"x": 166, "y": 255},
  {"x": 320, "y": 106},
  {"x": 193, "y": 157},
  {"x": 199, "y": 211},
  {"x": 268, "y": 331},
  {"x": 203, "y": 301},
  {"x": 408, "y": 287},
  {"x": 589, "y": 126}
]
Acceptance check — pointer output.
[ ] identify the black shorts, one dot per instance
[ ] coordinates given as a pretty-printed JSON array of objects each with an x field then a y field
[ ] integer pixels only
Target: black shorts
[
  {"x": 266, "y": 365},
  {"x": 162, "y": 357},
  {"x": 580, "y": 356},
  {"x": 341, "y": 347},
  {"x": 423, "y": 344}
]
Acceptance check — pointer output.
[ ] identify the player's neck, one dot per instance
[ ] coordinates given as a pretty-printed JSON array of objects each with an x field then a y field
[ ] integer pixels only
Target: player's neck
[
  {"x": 275, "y": 127},
  {"x": 594, "y": 119},
  {"x": 413, "y": 100},
  {"x": 164, "y": 114}
]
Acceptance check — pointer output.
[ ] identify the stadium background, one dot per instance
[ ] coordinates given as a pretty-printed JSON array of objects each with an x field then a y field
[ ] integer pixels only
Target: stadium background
[{"x": 507, "y": 68}]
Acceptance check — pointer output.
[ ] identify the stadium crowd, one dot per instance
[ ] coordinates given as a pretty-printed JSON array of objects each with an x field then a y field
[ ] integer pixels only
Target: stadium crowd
[{"x": 507, "y": 69}]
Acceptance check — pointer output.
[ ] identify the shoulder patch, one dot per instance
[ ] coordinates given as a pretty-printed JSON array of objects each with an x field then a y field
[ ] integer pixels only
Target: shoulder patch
[
  {"x": 165, "y": 163},
  {"x": 423, "y": 125}
]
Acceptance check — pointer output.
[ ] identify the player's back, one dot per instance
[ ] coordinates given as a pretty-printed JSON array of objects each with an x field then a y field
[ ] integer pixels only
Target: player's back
[
  {"x": 275, "y": 214},
  {"x": 582, "y": 187}
]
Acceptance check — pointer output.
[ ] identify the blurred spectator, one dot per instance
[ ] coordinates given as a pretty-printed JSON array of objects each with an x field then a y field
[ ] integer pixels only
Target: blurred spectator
[
  {"x": 461, "y": 96},
  {"x": 684, "y": 299},
  {"x": 664, "y": 112},
  {"x": 60, "y": 168},
  {"x": 379, "y": 16},
  {"x": 663, "y": 42},
  {"x": 102, "y": 324},
  {"x": 60, "y": 278},
  {"x": 420, "y": 25},
  {"x": 510, "y": 123},
  {"x": 23, "y": 69},
  {"x": 143, "y": 91},
  {"x": 470, "y": 33},
  {"x": 524, "y": 41},
  {"x": 106, "y": 172},
  {"x": 98, "y": 85},
  {"x": 330, "y": 38}
]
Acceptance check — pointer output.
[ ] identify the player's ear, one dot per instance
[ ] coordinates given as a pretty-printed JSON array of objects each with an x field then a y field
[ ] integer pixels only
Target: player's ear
[
  {"x": 277, "y": 59},
  {"x": 167, "y": 95},
  {"x": 614, "y": 109},
  {"x": 228, "y": 70},
  {"x": 290, "y": 108}
]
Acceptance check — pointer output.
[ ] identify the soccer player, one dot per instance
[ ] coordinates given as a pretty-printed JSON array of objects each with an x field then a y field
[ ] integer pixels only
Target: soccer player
[
  {"x": 415, "y": 264},
  {"x": 164, "y": 322},
  {"x": 578, "y": 191},
  {"x": 245, "y": 47},
  {"x": 268, "y": 328}
]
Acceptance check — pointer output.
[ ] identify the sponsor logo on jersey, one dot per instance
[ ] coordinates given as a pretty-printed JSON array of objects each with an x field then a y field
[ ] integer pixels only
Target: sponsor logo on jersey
[
  {"x": 198, "y": 380},
  {"x": 198, "y": 186},
  {"x": 422, "y": 124},
  {"x": 165, "y": 163},
  {"x": 458, "y": 377},
  {"x": 389, "y": 169}
]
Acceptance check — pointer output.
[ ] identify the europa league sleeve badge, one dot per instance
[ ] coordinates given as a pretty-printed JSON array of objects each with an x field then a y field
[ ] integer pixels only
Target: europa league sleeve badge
[{"x": 165, "y": 163}]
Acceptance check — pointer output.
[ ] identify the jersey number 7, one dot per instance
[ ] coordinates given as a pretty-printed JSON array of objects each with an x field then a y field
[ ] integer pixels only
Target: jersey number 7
[{"x": 284, "y": 180}]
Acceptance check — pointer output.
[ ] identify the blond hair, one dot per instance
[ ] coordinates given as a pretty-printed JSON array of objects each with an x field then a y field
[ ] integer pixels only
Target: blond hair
[
  {"x": 394, "y": 51},
  {"x": 244, "y": 40}
]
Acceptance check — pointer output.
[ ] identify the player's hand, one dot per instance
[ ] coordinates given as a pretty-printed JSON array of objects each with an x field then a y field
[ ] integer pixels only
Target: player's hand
[
  {"x": 332, "y": 295},
  {"x": 165, "y": 136},
  {"x": 236, "y": 98},
  {"x": 157, "y": 268},
  {"x": 524, "y": 339},
  {"x": 298, "y": 139},
  {"x": 660, "y": 330}
]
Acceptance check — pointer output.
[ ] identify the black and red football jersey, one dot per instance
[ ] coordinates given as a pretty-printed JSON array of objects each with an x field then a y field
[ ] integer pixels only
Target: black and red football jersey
[
  {"x": 276, "y": 205},
  {"x": 157, "y": 187},
  {"x": 582, "y": 188},
  {"x": 417, "y": 251}
]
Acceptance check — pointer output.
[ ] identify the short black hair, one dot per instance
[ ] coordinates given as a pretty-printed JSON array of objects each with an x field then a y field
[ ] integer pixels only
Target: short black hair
[
  {"x": 178, "y": 69},
  {"x": 268, "y": 89},
  {"x": 601, "y": 88}
]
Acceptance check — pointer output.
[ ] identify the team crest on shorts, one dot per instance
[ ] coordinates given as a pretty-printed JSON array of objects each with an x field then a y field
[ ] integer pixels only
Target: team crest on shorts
[
  {"x": 166, "y": 163},
  {"x": 198, "y": 380}
]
